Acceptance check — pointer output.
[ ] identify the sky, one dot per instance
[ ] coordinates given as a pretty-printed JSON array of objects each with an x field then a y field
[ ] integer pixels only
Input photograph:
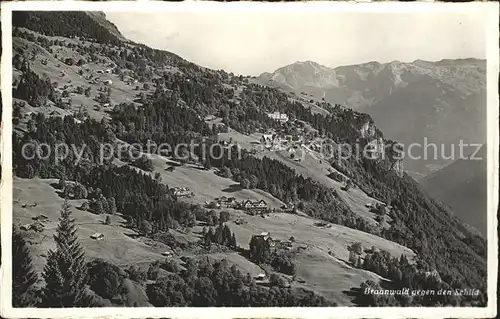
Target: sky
[{"x": 250, "y": 43}]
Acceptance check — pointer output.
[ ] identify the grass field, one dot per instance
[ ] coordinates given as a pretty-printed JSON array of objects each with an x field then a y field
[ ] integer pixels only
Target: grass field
[{"x": 314, "y": 264}]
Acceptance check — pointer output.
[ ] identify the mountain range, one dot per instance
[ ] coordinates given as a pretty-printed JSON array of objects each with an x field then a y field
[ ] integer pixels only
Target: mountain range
[{"x": 442, "y": 101}]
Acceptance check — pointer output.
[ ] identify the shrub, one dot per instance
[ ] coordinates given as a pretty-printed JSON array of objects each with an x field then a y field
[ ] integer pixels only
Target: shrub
[{"x": 104, "y": 278}]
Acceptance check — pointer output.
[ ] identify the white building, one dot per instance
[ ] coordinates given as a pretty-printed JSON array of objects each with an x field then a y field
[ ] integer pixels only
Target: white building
[{"x": 277, "y": 116}]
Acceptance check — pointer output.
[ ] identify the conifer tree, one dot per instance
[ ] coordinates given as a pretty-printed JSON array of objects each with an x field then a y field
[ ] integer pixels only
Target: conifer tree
[
  {"x": 24, "y": 276},
  {"x": 65, "y": 272},
  {"x": 233, "y": 241},
  {"x": 98, "y": 207}
]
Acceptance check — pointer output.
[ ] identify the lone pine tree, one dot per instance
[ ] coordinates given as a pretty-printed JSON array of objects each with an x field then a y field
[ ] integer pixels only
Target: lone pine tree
[
  {"x": 24, "y": 276},
  {"x": 65, "y": 273}
]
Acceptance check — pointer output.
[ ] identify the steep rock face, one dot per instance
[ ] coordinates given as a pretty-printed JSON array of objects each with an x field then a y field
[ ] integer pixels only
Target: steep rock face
[
  {"x": 89, "y": 25},
  {"x": 100, "y": 17},
  {"x": 368, "y": 130},
  {"x": 398, "y": 167},
  {"x": 376, "y": 148}
]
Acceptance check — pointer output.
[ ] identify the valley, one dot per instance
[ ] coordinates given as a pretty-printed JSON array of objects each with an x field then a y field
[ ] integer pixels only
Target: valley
[{"x": 160, "y": 223}]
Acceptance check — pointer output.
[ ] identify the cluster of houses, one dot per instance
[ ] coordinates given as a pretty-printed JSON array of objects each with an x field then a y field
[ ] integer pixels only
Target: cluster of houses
[
  {"x": 107, "y": 71},
  {"x": 182, "y": 192},
  {"x": 282, "y": 141},
  {"x": 251, "y": 207},
  {"x": 228, "y": 202},
  {"x": 277, "y": 244},
  {"x": 254, "y": 206},
  {"x": 323, "y": 225}
]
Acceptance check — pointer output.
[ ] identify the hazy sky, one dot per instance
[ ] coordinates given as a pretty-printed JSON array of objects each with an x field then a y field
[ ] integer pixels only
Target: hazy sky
[{"x": 250, "y": 43}]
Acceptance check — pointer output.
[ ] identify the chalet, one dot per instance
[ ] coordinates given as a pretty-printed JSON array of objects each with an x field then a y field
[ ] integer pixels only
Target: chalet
[
  {"x": 40, "y": 218},
  {"x": 240, "y": 222},
  {"x": 26, "y": 227},
  {"x": 267, "y": 137},
  {"x": 182, "y": 192},
  {"x": 337, "y": 177},
  {"x": 260, "y": 204},
  {"x": 167, "y": 254},
  {"x": 254, "y": 205},
  {"x": 229, "y": 202},
  {"x": 108, "y": 82},
  {"x": 37, "y": 226},
  {"x": 108, "y": 71},
  {"x": 260, "y": 277},
  {"x": 247, "y": 204},
  {"x": 97, "y": 236},
  {"x": 212, "y": 205},
  {"x": 222, "y": 199},
  {"x": 265, "y": 235},
  {"x": 321, "y": 224},
  {"x": 277, "y": 116}
]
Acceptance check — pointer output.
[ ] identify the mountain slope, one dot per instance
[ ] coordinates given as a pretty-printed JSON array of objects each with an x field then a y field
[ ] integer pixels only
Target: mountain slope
[
  {"x": 442, "y": 101},
  {"x": 463, "y": 186},
  {"x": 153, "y": 95}
]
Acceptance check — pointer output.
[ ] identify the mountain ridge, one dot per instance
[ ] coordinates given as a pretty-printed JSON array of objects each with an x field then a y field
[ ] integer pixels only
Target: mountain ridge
[{"x": 451, "y": 109}]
